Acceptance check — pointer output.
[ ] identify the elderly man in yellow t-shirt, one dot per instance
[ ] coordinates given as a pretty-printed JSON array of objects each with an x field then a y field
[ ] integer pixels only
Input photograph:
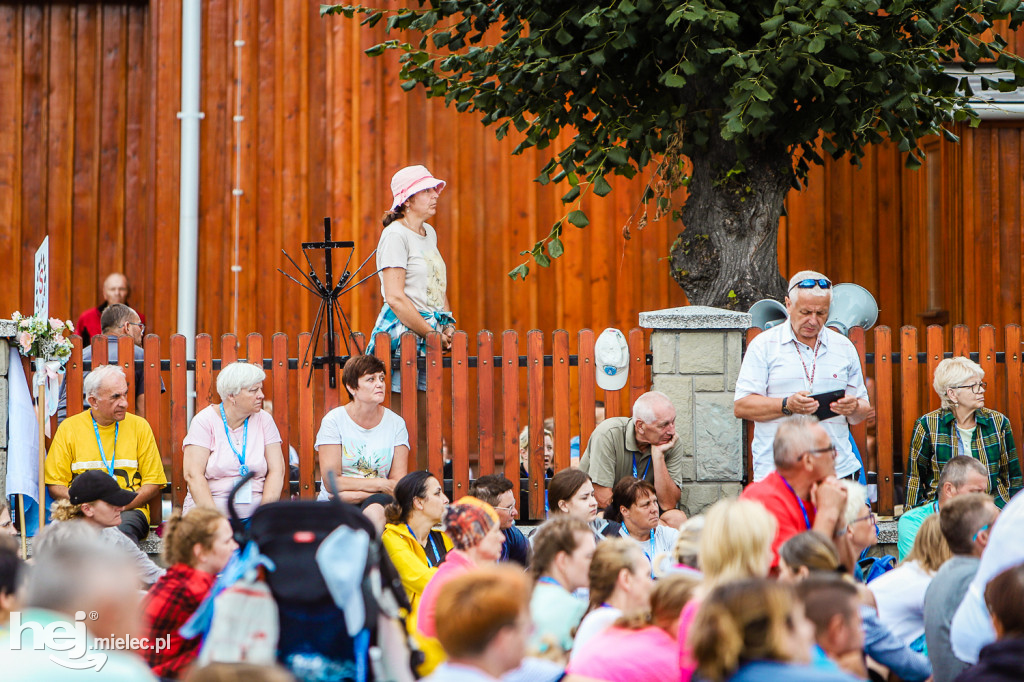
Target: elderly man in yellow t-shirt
[{"x": 107, "y": 437}]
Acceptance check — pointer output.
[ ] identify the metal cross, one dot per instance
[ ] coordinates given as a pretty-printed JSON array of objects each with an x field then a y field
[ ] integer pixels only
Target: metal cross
[{"x": 328, "y": 290}]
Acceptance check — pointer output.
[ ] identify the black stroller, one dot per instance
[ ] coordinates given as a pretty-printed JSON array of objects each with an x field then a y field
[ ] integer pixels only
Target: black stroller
[{"x": 314, "y": 643}]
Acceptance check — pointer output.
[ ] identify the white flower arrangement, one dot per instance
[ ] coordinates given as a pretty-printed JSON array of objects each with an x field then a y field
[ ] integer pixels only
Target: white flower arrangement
[{"x": 42, "y": 338}]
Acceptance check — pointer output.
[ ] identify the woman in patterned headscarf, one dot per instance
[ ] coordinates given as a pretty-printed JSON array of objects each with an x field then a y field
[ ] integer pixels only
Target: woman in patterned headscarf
[{"x": 475, "y": 531}]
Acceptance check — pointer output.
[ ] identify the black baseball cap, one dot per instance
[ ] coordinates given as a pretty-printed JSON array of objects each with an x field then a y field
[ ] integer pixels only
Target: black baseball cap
[{"x": 93, "y": 485}]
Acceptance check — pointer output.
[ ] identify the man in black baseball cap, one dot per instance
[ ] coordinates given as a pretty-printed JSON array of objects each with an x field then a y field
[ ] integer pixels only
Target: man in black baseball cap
[{"x": 101, "y": 498}]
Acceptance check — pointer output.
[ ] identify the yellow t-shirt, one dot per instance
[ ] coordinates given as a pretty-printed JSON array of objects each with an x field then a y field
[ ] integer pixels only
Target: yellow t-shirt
[{"x": 136, "y": 460}]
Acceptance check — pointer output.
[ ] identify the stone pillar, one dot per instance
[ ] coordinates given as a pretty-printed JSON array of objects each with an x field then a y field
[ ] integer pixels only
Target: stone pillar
[{"x": 697, "y": 353}]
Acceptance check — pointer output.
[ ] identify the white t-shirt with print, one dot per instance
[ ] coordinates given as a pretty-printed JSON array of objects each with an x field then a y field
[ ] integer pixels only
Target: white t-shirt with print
[
  {"x": 365, "y": 453},
  {"x": 426, "y": 277}
]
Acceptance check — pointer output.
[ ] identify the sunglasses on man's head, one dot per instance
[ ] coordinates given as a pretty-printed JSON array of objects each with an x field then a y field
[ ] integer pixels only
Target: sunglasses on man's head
[{"x": 811, "y": 283}]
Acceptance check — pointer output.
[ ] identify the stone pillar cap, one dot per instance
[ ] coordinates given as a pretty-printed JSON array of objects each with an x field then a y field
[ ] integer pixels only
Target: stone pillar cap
[{"x": 700, "y": 317}]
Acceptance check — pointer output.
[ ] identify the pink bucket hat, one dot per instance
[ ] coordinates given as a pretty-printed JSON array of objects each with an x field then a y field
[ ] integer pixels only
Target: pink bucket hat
[{"x": 410, "y": 180}]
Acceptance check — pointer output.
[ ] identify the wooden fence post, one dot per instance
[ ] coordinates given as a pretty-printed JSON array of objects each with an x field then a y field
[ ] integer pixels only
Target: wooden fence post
[
  {"x": 510, "y": 408},
  {"x": 435, "y": 407},
  {"x": 884, "y": 422},
  {"x": 485, "y": 401},
  {"x": 179, "y": 417},
  {"x": 279, "y": 371},
  {"x": 909, "y": 371},
  {"x": 307, "y": 484},
  {"x": 460, "y": 414},
  {"x": 535, "y": 410},
  {"x": 588, "y": 386},
  {"x": 560, "y": 391}
]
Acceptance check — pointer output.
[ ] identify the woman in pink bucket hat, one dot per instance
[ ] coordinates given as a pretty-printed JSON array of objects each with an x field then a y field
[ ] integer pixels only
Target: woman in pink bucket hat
[{"x": 414, "y": 279}]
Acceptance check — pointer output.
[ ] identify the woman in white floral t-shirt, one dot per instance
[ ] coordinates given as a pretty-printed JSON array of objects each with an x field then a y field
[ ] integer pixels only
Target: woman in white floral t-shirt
[{"x": 365, "y": 444}]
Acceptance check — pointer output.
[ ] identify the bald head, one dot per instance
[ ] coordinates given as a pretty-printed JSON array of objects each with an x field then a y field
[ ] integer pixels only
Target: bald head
[{"x": 115, "y": 288}]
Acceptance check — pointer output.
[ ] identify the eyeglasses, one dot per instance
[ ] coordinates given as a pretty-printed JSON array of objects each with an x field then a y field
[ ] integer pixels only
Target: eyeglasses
[
  {"x": 871, "y": 516},
  {"x": 511, "y": 508},
  {"x": 977, "y": 387},
  {"x": 980, "y": 531},
  {"x": 811, "y": 283},
  {"x": 140, "y": 325},
  {"x": 822, "y": 451}
]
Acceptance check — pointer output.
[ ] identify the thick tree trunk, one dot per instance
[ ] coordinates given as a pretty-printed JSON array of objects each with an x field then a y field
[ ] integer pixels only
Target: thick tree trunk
[{"x": 727, "y": 254}]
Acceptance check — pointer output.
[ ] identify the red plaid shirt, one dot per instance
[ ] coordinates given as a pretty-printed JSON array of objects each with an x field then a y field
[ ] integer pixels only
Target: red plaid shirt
[{"x": 171, "y": 601}]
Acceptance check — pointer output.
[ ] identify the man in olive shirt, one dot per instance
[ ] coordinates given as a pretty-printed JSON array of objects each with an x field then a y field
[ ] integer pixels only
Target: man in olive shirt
[{"x": 644, "y": 446}]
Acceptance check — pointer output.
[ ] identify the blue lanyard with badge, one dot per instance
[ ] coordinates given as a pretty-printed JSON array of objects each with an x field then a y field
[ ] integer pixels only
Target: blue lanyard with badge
[
  {"x": 803, "y": 509},
  {"x": 647, "y": 468},
  {"x": 103, "y": 456},
  {"x": 244, "y": 494},
  {"x": 650, "y": 544},
  {"x": 433, "y": 546}
]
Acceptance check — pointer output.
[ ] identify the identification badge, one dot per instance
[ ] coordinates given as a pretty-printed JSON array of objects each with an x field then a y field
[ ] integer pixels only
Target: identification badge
[{"x": 244, "y": 494}]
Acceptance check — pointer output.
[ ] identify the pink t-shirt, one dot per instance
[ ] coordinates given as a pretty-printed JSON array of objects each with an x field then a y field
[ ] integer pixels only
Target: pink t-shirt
[
  {"x": 653, "y": 655},
  {"x": 687, "y": 663},
  {"x": 207, "y": 431},
  {"x": 455, "y": 564}
]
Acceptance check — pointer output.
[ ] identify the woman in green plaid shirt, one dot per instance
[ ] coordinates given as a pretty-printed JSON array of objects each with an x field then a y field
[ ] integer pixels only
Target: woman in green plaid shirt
[{"x": 962, "y": 426}]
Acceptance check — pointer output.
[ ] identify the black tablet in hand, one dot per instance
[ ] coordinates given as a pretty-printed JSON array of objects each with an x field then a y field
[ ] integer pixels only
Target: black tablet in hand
[{"x": 824, "y": 400}]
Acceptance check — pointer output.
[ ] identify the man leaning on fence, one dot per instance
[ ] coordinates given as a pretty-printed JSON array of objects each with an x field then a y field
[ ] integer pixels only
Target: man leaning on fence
[
  {"x": 118, "y": 320},
  {"x": 109, "y": 438},
  {"x": 644, "y": 446},
  {"x": 788, "y": 364}
]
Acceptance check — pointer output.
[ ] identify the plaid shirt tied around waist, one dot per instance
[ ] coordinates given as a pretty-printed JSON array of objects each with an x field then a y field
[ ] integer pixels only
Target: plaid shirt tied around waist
[
  {"x": 388, "y": 322},
  {"x": 935, "y": 442}
]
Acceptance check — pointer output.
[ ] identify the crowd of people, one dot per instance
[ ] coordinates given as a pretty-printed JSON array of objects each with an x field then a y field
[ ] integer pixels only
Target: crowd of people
[{"x": 617, "y": 583}]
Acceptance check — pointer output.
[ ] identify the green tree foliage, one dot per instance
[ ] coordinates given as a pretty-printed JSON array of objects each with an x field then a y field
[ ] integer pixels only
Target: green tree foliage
[{"x": 744, "y": 89}]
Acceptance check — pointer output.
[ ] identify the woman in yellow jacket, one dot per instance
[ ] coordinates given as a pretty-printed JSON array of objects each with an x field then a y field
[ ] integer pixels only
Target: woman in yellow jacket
[{"x": 415, "y": 548}]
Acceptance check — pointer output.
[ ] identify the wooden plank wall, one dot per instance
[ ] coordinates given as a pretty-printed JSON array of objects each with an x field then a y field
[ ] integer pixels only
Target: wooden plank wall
[{"x": 89, "y": 154}]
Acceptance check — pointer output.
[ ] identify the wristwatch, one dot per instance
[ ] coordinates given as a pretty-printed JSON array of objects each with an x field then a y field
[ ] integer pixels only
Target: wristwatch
[{"x": 785, "y": 410}]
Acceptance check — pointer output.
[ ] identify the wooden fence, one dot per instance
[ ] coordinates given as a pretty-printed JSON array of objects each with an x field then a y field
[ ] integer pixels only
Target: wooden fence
[
  {"x": 903, "y": 370},
  {"x": 481, "y": 400}
]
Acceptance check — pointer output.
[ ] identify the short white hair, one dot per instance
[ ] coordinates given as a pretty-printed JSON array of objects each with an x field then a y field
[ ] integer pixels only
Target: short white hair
[
  {"x": 237, "y": 377},
  {"x": 856, "y": 500},
  {"x": 643, "y": 408},
  {"x": 952, "y": 372},
  {"x": 95, "y": 378},
  {"x": 807, "y": 274}
]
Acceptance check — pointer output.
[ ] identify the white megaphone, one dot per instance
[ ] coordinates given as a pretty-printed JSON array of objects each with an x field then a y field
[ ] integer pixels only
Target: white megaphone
[
  {"x": 768, "y": 313},
  {"x": 852, "y": 306}
]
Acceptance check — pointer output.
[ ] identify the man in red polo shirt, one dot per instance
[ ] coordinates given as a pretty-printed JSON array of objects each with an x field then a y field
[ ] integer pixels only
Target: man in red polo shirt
[
  {"x": 802, "y": 493},
  {"x": 115, "y": 290}
]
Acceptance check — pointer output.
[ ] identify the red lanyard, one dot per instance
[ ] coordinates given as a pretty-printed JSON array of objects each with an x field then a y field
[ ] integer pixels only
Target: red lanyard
[{"x": 814, "y": 363}]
